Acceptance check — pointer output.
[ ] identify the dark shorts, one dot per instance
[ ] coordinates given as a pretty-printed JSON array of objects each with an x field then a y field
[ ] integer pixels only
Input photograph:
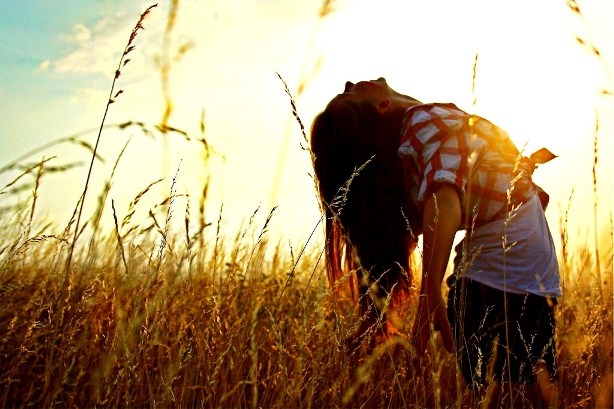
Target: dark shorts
[{"x": 488, "y": 349}]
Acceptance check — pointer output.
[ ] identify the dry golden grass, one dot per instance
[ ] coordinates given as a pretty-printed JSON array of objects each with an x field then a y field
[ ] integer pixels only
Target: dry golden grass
[{"x": 235, "y": 324}]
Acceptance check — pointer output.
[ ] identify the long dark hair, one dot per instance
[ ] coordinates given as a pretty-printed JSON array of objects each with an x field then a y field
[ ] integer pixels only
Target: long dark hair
[{"x": 371, "y": 222}]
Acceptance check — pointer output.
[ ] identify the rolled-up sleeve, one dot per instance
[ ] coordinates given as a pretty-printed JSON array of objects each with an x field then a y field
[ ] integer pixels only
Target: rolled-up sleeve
[{"x": 435, "y": 139}]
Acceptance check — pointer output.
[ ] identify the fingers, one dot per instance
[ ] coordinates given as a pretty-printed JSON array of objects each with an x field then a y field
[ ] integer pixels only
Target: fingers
[
  {"x": 422, "y": 330},
  {"x": 421, "y": 337},
  {"x": 446, "y": 337}
]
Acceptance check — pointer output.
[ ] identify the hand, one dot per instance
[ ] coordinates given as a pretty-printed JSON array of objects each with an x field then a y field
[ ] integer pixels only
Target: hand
[{"x": 431, "y": 311}]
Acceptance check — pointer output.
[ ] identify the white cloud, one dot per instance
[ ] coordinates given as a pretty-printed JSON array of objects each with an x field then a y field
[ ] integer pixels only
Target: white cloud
[
  {"x": 93, "y": 59},
  {"x": 81, "y": 34},
  {"x": 89, "y": 96},
  {"x": 44, "y": 66},
  {"x": 96, "y": 48}
]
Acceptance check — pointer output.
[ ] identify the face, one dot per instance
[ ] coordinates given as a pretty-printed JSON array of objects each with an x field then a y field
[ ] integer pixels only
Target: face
[
  {"x": 365, "y": 85},
  {"x": 372, "y": 91}
]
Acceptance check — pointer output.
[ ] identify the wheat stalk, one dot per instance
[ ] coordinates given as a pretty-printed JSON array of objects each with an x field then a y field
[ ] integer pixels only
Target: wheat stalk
[
  {"x": 112, "y": 97},
  {"x": 79, "y": 208}
]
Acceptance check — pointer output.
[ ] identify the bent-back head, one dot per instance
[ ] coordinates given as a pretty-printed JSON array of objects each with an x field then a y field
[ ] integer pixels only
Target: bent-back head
[
  {"x": 362, "y": 187},
  {"x": 344, "y": 138}
]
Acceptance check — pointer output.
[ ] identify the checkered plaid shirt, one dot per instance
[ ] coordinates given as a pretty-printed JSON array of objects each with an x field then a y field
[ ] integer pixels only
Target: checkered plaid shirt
[{"x": 444, "y": 145}]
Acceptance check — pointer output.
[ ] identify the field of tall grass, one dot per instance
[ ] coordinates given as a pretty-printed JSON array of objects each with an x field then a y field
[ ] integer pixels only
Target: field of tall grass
[{"x": 160, "y": 312}]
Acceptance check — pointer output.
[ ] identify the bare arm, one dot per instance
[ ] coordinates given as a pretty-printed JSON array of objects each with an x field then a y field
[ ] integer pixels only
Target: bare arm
[{"x": 442, "y": 216}]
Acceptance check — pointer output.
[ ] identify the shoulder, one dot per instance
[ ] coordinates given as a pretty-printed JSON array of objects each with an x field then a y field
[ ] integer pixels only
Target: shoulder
[{"x": 428, "y": 123}]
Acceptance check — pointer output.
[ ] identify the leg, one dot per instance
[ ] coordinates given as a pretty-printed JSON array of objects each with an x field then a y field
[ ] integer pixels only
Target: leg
[
  {"x": 514, "y": 395},
  {"x": 491, "y": 396},
  {"x": 471, "y": 319},
  {"x": 499, "y": 336},
  {"x": 528, "y": 339},
  {"x": 546, "y": 386}
]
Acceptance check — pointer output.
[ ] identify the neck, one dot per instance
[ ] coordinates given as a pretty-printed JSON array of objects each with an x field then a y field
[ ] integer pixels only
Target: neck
[
  {"x": 400, "y": 105},
  {"x": 405, "y": 100}
]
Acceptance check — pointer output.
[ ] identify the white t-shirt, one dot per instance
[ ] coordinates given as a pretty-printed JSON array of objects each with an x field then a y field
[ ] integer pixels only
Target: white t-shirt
[{"x": 516, "y": 255}]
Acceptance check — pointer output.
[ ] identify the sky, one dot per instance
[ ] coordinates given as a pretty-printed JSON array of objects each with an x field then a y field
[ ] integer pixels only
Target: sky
[{"x": 58, "y": 59}]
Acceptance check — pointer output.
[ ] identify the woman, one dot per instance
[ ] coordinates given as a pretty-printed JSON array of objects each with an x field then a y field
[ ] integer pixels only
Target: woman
[{"x": 390, "y": 168}]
